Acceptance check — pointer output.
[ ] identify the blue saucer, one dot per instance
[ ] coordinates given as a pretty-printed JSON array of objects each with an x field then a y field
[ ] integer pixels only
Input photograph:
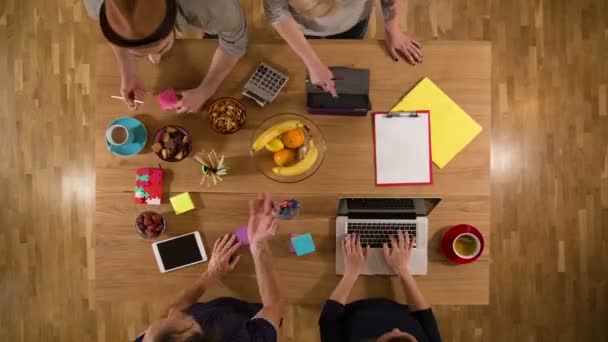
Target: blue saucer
[{"x": 139, "y": 140}]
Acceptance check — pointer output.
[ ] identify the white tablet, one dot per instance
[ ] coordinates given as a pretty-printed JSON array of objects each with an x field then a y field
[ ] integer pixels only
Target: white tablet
[{"x": 179, "y": 252}]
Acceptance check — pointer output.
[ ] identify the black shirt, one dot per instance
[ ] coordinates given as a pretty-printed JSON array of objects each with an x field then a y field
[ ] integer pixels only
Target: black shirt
[
  {"x": 368, "y": 319},
  {"x": 233, "y": 320}
]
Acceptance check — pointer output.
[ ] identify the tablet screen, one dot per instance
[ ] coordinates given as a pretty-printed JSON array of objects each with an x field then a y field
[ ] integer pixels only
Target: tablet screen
[
  {"x": 344, "y": 101},
  {"x": 179, "y": 252}
]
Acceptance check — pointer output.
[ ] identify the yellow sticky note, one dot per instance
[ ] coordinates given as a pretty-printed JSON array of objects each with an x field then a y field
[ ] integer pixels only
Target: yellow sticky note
[
  {"x": 451, "y": 128},
  {"x": 182, "y": 203}
]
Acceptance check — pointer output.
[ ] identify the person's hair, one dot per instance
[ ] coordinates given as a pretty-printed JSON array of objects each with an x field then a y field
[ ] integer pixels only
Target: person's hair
[
  {"x": 400, "y": 339},
  {"x": 208, "y": 335},
  {"x": 316, "y": 8},
  {"x": 169, "y": 337}
]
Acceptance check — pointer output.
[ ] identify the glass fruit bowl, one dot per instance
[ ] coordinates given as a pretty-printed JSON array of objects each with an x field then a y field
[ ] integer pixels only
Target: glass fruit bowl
[{"x": 287, "y": 148}]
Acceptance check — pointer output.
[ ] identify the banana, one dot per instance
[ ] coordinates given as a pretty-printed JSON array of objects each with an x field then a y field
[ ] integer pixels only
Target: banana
[
  {"x": 274, "y": 132},
  {"x": 301, "y": 166}
]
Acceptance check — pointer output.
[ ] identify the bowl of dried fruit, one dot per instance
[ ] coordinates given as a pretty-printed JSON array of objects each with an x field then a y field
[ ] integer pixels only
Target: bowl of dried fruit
[
  {"x": 227, "y": 115},
  {"x": 150, "y": 224},
  {"x": 172, "y": 143}
]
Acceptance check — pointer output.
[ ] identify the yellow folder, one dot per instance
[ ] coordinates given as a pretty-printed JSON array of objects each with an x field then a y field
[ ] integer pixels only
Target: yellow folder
[{"x": 451, "y": 128}]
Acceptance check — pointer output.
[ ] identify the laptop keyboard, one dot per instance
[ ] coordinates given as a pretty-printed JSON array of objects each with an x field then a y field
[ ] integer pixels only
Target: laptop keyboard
[
  {"x": 381, "y": 203},
  {"x": 375, "y": 235}
]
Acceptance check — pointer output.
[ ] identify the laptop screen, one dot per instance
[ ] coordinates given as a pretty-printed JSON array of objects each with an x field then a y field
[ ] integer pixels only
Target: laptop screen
[{"x": 407, "y": 206}]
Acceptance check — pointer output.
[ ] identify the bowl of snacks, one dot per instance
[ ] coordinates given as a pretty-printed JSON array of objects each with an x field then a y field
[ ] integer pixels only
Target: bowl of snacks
[
  {"x": 172, "y": 143},
  {"x": 288, "y": 148},
  {"x": 150, "y": 224},
  {"x": 227, "y": 115}
]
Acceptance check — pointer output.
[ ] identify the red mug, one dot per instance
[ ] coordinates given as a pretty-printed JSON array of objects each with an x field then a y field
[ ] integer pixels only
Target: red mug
[{"x": 462, "y": 243}]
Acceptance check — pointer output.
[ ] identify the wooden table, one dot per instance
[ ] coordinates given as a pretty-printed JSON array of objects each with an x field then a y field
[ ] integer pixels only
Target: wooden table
[{"x": 125, "y": 265}]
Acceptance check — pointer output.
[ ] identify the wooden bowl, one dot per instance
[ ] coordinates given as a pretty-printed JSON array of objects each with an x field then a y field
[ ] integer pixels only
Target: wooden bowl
[
  {"x": 185, "y": 151},
  {"x": 227, "y": 115}
]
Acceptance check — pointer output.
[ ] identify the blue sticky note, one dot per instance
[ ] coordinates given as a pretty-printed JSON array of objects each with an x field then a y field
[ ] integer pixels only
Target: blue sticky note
[{"x": 303, "y": 244}]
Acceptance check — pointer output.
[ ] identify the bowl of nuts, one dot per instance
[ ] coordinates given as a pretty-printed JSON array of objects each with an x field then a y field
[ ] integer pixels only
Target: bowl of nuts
[
  {"x": 227, "y": 115},
  {"x": 150, "y": 224},
  {"x": 172, "y": 143}
]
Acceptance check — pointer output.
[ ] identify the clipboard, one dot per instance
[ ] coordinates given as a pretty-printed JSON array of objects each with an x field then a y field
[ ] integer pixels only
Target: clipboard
[
  {"x": 402, "y": 148},
  {"x": 453, "y": 128}
]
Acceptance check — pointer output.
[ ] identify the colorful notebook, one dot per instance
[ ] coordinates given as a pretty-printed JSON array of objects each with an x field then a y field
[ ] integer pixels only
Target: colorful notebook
[
  {"x": 453, "y": 129},
  {"x": 149, "y": 186},
  {"x": 402, "y": 148}
]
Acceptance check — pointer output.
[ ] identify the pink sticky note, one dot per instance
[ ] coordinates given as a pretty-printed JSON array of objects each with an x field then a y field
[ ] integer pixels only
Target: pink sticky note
[
  {"x": 241, "y": 234},
  {"x": 167, "y": 99},
  {"x": 291, "y": 249}
]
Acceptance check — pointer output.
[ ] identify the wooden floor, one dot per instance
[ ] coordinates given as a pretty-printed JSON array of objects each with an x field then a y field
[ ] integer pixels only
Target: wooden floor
[{"x": 549, "y": 172}]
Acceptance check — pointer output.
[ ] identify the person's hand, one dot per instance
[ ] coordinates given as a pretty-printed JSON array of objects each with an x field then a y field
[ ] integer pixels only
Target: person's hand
[
  {"x": 131, "y": 89},
  {"x": 398, "y": 256},
  {"x": 400, "y": 43},
  {"x": 321, "y": 76},
  {"x": 222, "y": 260},
  {"x": 262, "y": 225},
  {"x": 192, "y": 100},
  {"x": 355, "y": 256}
]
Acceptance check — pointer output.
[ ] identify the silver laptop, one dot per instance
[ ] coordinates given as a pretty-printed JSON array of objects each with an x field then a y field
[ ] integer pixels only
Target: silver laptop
[{"x": 375, "y": 219}]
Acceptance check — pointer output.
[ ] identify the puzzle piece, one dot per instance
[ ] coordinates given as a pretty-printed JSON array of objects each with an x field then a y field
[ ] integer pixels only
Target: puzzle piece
[
  {"x": 143, "y": 178},
  {"x": 142, "y": 184},
  {"x": 182, "y": 203},
  {"x": 241, "y": 234},
  {"x": 139, "y": 192},
  {"x": 303, "y": 244},
  {"x": 154, "y": 200},
  {"x": 167, "y": 99}
]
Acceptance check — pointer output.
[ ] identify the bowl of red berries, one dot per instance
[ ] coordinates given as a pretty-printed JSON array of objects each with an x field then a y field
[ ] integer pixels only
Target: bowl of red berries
[{"x": 150, "y": 224}]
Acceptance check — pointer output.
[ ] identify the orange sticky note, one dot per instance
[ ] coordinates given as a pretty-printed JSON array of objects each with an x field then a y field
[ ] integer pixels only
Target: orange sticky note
[{"x": 182, "y": 203}]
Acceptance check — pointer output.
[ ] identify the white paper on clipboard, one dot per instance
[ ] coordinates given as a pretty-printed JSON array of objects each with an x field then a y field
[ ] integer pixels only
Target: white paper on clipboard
[{"x": 402, "y": 149}]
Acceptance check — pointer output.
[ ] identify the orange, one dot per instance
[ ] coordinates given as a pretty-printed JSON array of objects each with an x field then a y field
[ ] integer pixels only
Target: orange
[
  {"x": 284, "y": 157},
  {"x": 294, "y": 138}
]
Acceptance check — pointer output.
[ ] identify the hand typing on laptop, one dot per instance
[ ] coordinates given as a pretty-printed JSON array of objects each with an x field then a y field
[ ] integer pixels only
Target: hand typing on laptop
[
  {"x": 380, "y": 320},
  {"x": 398, "y": 254},
  {"x": 355, "y": 255}
]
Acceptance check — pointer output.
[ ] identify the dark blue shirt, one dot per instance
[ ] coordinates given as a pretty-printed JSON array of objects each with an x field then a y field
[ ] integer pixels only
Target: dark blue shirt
[
  {"x": 231, "y": 320},
  {"x": 368, "y": 319}
]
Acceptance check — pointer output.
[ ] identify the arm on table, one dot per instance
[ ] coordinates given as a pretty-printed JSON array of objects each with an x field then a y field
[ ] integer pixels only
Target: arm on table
[
  {"x": 233, "y": 41},
  {"x": 191, "y": 295},
  {"x": 221, "y": 65},
  {"x": 221, "y": 263},
  {"x": 319, "y": 73},
  {"x": 398, "y": 42},
  {"x": 266, "y": 276},
  {"x": 419, "y": 307},
  {"x": 261, "y": 228},
  {"x": 415, "y": 299},
  {"x": 131, "y": 87},
  {"x": 331, "y": 321},
  {"x": 398, "y": 258}
]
